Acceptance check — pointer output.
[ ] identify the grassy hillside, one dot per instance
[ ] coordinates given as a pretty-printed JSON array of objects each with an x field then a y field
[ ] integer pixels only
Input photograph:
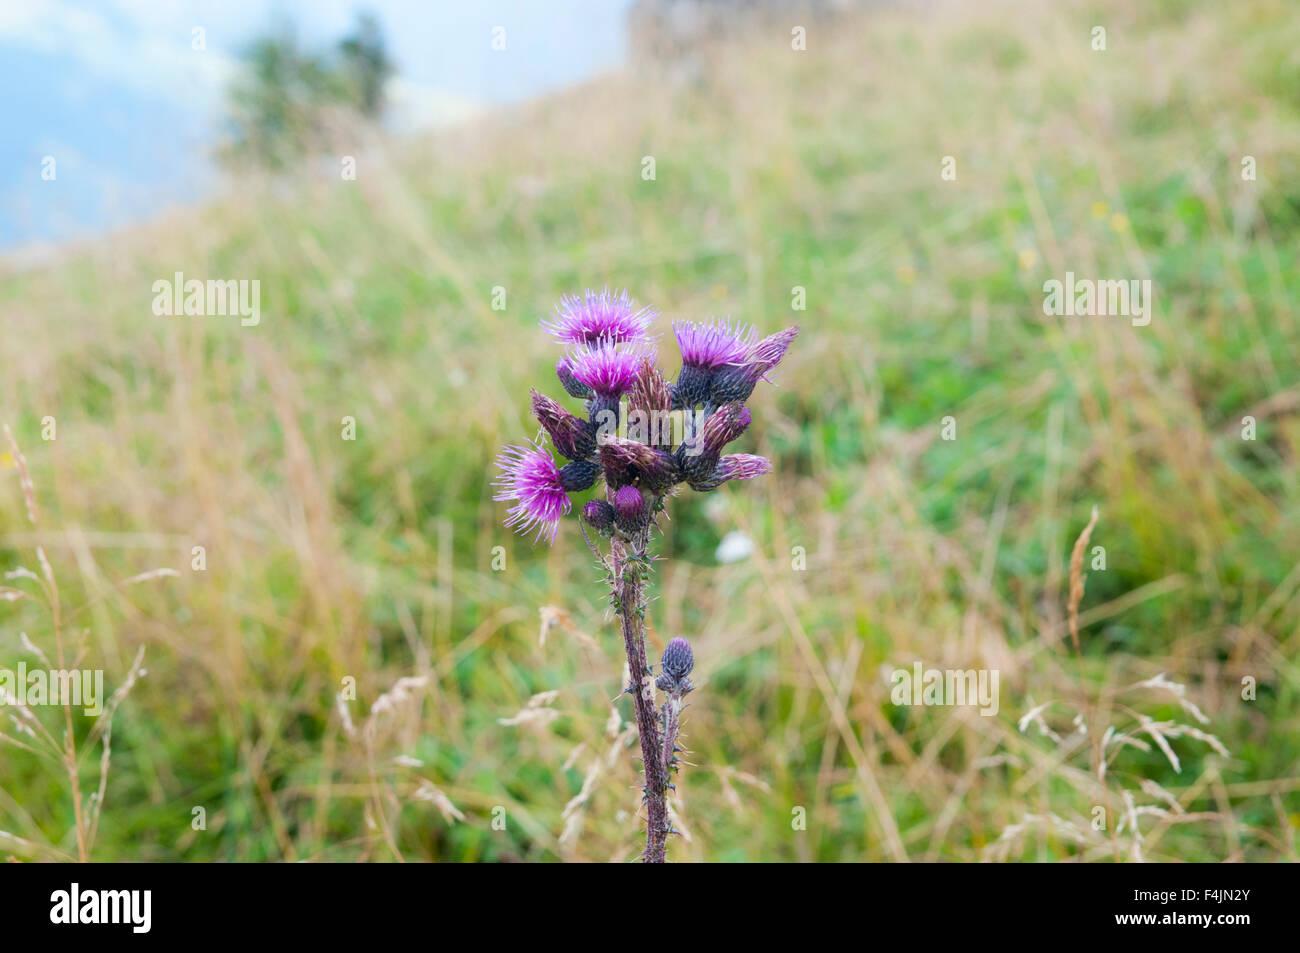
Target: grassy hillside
[{"x": 372, "y": 559}]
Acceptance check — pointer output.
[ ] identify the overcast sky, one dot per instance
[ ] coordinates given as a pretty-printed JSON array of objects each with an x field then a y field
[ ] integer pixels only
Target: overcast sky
[{"x": 115, "y": 91}]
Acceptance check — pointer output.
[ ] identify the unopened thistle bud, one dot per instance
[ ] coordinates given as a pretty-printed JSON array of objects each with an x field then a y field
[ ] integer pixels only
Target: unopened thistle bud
[
  {"x": 599, "y": 514},
  {"x": 618, "y": 467},
  {"x": 678, "y": 658},
  {"x": 571, "y": 435},
  {"x": 629, "y": 509},
  {"x": 676, "y": 665},
  {"x": 579, "y": 475}
]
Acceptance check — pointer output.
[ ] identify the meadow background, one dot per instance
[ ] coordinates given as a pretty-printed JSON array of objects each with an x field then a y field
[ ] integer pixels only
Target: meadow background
[{"x": 372, "y": 559}]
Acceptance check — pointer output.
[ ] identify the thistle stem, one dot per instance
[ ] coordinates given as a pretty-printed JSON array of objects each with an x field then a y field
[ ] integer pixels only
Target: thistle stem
[
  {"x": 629, "y": 590},
  {"x": 672, "y": 722}
]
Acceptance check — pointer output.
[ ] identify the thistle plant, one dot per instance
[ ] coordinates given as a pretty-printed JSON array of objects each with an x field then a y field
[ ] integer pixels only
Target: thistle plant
[{"x": 644, "y": 438}]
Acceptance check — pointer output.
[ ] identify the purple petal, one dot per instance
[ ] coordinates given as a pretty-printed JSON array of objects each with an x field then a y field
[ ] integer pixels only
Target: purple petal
[
  {"x": 607, "y": 370},
  {"x": 530, "y": 478},
  {"x": 591, "y": 319},
  {"x": 713, "y": 343}
]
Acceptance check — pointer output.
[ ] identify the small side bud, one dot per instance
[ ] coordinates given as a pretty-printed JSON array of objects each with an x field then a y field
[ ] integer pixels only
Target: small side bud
[
  {"x": 676, "y": 665},
  {"x": 599, "y": 515}
]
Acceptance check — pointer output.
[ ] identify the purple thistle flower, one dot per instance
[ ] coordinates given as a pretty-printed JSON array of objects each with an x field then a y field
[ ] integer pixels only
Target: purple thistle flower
[
  {"x": 530, "y": 478},
  {"x": 737, "y": 381},
  {"x": 723, "y": 426},
  {"x": 706, "y": 346},
  {"x": 713, "y": 343},
  {"x": 608, "y": 371},
  {"x": 593, "y": 318},
  {"x": 733, "y": 466}
]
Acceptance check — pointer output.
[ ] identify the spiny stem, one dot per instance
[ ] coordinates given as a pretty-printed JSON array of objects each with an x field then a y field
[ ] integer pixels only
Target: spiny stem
[
  {"x": 672, "y": 723},
  {"x": 629, "y": 583}
]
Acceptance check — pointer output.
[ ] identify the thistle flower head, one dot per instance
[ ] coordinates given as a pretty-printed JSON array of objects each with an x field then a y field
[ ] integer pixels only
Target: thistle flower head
[
  {"x": 607, "y": 370},
  {"x": 743, "y": 466},
  {"x": 591, "y": 319},
  {"x": 707, "y": 347},
  {"x": 530, "y": 478},
  {"x": 579, "y": 475},
  {"x": 572, "y": 436},
  {"x": 769, "y": 351},
  {"x": 712, "y": 343}
]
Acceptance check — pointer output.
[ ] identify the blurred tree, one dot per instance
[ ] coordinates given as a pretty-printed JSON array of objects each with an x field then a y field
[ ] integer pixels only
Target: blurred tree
[
  {"x": 287, "y": 101},
  {"x": 366, "y": 66}
]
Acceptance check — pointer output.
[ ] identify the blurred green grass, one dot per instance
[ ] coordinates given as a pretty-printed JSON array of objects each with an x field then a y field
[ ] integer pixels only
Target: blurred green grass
[{"x": 774, "y": 169}]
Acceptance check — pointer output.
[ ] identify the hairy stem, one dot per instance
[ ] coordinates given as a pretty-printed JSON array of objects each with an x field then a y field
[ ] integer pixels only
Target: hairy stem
[
  {"x": 629, "y": 571},
  {"x": 672, "y": 722}
]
